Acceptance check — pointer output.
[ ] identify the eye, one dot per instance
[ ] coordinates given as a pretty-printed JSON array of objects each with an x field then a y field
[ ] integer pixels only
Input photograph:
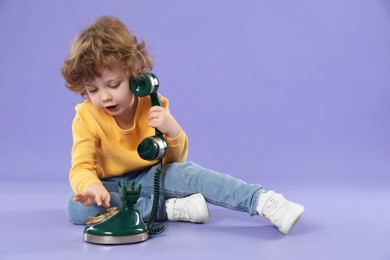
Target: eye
[
  {"x": 115, "y": 85},
  {"x": 92, "y": 90}
]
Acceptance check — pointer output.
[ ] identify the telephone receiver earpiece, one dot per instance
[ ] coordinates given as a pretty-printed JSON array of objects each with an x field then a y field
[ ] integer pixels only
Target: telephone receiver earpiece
[
  {"x": 153, "y": 147},
  {"x": 145, "y": 85}
]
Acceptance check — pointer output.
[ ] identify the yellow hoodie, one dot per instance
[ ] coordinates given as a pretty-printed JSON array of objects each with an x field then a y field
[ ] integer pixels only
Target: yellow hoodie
[{"x": 101, "y": 149}]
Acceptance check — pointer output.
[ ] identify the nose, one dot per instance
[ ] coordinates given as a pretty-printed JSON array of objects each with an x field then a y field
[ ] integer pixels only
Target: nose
[{"x": 105, "y": 96}]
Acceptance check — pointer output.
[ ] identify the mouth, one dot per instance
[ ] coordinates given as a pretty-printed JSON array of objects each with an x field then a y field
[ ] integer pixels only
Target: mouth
[{"x": 112, "y": 109}]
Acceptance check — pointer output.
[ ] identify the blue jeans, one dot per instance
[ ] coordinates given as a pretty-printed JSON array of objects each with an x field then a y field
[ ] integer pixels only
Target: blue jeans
[{"x": 178, "y": 180}]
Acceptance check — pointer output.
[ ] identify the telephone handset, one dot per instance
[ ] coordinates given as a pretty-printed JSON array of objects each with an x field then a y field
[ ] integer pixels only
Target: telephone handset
[
  {"x": 125, "y": 225},
  {"x": 153, "y": 147}
]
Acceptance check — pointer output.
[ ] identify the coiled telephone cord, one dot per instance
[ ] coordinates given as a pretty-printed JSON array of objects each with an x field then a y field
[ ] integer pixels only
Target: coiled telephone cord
[{"x": 154, "y": 230}]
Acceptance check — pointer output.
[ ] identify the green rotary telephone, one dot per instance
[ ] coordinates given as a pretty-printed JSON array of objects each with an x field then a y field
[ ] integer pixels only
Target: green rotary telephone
[{"x": 125, "y": 225}]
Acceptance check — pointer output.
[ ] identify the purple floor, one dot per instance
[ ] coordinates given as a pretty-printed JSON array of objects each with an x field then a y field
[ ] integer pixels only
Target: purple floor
[
  {"x": 281, "y": 91},
  {"x": 339, "y": 223}
]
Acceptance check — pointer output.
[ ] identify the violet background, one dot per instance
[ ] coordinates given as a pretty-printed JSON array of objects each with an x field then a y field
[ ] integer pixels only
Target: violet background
[
  {"x": 266, "y": 90},
  {"x": 289, "y": 94}
]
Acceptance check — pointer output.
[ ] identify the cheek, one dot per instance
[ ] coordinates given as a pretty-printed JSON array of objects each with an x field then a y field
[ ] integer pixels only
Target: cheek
[
  {"x": 95, "y": 101},
  {"x": 126, "y": 95}
]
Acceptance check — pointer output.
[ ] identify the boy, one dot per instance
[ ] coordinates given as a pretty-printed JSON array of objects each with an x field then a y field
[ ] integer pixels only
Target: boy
[{"x": 112, "y": 121}]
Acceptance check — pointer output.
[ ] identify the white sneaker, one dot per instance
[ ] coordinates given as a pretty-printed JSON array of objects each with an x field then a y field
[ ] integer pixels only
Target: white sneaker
[
  {"x": 281, "y": 212},
  {"x": 192, "y": 208}
]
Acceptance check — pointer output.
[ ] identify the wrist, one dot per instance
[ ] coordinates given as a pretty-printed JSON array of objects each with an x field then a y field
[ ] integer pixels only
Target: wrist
[
  {"x": 93, "y": 186},
  {"x": 174, "y": 133}
]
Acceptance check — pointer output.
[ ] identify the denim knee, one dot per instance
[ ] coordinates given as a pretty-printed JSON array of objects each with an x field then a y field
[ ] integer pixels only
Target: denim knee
[{"x": 77, "y": 213}]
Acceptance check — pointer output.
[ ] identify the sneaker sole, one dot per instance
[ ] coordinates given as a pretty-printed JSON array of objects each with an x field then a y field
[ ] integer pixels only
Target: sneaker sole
[{"x": 293, "y": 218}]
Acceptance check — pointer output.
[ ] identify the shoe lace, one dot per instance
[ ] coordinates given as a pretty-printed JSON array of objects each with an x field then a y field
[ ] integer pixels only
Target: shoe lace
[
  {"x": 180, "y": 214},
  {"x": 270, "y": 207}
]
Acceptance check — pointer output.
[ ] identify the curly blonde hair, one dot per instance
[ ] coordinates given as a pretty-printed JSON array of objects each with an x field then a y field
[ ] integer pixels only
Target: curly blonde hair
[{"x": 105, "y": 44}]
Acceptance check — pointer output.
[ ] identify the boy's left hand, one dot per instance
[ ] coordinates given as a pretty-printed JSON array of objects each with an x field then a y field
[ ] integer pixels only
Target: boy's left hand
[{"x": 163, "y": 120}]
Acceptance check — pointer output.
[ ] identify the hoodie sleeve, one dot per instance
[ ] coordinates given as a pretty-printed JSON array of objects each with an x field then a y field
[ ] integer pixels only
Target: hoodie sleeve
[
  {"x": 83, "y": 169},
  {"x": 177, "y": 146}
]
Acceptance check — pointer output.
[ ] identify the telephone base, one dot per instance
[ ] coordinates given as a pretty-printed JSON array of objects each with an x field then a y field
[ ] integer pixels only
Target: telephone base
[{"x": 113, "y": 240}]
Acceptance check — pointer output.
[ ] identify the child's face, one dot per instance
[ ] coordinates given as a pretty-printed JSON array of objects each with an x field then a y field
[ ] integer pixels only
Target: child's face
[{"x": 111, "y": 92}]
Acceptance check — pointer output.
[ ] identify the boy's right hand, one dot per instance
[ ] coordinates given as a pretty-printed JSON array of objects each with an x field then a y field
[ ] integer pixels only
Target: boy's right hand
[{"x": 95, "y": 193}]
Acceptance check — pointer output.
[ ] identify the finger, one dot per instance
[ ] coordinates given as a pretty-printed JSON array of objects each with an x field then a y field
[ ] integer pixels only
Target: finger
[
  {"x": 76, "y": 197},
  {"x": 85, "y": 200},
  {"x": 153, "y": 123},
  {"x": 106, "y": 201},
  {"x": 79, "y": 196},
  {"x": 155, "y": 114},
  {"x": 98, "y": 200},
  {"x": 156, "y": 109}
]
